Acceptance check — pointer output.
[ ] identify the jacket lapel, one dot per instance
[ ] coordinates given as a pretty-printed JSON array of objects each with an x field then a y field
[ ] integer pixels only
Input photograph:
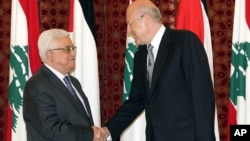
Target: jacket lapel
[
  {"x": 85, "y": 100},
  {"x": 161, "y": 57},
  {"x": 58, "y": 84}
]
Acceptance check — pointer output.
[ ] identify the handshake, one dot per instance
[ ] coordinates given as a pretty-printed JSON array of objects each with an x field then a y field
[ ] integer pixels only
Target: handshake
[{"x": 101, "y": 134}]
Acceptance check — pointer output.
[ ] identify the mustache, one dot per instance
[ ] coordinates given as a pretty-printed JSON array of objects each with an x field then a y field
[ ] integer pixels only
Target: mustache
[{"x": 72, "y": 57}]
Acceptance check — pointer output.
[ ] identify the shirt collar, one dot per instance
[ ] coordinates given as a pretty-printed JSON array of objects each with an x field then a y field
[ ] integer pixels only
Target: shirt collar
[
  {"x": 57, "y": 73},
  {"x": 157, "y": 39}
]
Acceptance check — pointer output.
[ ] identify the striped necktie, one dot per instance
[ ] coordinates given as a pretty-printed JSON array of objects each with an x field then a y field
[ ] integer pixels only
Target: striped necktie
[
  {"x": 69, "y": 86},
  {"x": 150, "y": 65},
  {"x": 72, "y": 91}
]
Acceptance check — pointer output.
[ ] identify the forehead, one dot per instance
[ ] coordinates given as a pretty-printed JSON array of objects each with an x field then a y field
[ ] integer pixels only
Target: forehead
[
  {"x": 65, "y": 40},
  {"x": 131, "y": 11}
]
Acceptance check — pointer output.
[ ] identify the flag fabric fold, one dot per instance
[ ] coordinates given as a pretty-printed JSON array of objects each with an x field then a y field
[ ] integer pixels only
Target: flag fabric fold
[
  {"x": 24, "y": 60},
  {"x": 192, "y": 15},
  {"x": 82, "y": 30},
  {"x": 239, "y": 102}
]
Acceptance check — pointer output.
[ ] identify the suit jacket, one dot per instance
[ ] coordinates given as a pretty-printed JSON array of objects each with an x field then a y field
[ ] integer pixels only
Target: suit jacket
[
  {"x": 50, "y": 111},
  {"x": 180, "y": 105}
]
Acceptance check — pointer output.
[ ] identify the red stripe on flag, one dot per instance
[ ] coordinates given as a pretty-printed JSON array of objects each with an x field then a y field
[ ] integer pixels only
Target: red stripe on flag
[
  {"x": 71, "y": 16},
  {"x": 232, "y": 113},
  {"x": 30, "y": 8},
  {"x": 247, "y": 13},
  {"x": 189, "y": 16},
  {"x": 9, "y": 124}
]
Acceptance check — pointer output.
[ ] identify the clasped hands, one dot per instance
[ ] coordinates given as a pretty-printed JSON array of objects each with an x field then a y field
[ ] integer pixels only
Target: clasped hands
[{"x": 100, "y": 133}]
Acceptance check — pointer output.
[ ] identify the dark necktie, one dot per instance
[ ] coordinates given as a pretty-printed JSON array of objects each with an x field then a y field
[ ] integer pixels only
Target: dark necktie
[
  {"x": 150, "y": 65},
  {"x": 69, "y": 86},
  {"x": 72, "y": 91}
]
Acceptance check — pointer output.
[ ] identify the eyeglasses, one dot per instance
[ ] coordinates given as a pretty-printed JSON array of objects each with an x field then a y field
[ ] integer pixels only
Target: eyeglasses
[
  {"x": 130, "y": 23},
  {"x": 67, "y": 49}
]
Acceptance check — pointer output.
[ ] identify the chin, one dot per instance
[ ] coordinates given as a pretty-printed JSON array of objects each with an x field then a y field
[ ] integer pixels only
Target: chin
[
  {"x": 71, "y": 71},
  {"x": 136, "y": 43}
]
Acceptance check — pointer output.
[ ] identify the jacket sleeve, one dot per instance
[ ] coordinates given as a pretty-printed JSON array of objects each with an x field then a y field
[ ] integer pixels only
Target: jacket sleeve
[
  {"x": 197, "y": 73},
  {"x": 130, "y": 109}
]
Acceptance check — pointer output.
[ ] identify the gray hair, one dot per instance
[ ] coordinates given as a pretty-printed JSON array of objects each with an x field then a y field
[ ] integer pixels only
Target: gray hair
[
  {"x": 152, "y": 11},
  {"x": 46, "y": 40}
]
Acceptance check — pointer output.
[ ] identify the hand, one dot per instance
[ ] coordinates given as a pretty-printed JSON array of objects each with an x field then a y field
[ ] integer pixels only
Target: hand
[
  {"x": 99, "y": 134},
  {"x": 106, "y": 130}
]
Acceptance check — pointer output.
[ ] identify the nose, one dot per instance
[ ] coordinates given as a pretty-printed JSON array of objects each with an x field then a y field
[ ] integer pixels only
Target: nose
[{"x": 128, "y": 30}]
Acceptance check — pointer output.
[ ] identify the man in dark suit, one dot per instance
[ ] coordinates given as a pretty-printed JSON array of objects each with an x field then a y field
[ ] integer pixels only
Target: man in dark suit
[
  {"x": 55, "y": 107},
  {"x": 179, "y": 100}
]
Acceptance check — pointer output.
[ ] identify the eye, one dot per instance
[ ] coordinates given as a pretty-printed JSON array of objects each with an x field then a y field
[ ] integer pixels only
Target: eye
[{"x": 68, "y": 49}]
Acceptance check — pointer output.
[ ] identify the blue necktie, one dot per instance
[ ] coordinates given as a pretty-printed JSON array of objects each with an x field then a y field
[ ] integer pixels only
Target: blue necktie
[
  {"x": 69, "y": 86},
  {"x": 72, "y": 91},
  {"x": 150, "y": 65}
]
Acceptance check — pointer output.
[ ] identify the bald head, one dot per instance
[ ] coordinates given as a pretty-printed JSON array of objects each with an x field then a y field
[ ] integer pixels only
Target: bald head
[
  {"x": 142, "y": 3},
  {"x": 144, "y": 20},
  {"x": 141, "y": 7}
]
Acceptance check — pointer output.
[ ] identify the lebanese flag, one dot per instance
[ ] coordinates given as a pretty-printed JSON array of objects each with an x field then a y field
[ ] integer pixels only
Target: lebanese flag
[
  {"x": 239, "y": 102},
  {"x": 24, "y": 60},
  {"x": 192, "y": 15},
  {"x": 82, "y": 30},
  {"x": 136, "y": 131}
]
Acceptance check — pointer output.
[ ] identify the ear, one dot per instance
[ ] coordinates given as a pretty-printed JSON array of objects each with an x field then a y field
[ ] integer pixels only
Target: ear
[
  {"x": 146, "y": 16},
  {"x": 147, "y": 19},
  {"x": 48, "y": 54}
]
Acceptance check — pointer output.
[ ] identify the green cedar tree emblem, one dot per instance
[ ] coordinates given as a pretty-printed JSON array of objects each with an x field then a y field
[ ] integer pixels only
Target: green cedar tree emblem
[
  {"x": 240, "y": 62},
  {"x": 19, "y": 67},
  {"x": 128, "y": 69}
]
